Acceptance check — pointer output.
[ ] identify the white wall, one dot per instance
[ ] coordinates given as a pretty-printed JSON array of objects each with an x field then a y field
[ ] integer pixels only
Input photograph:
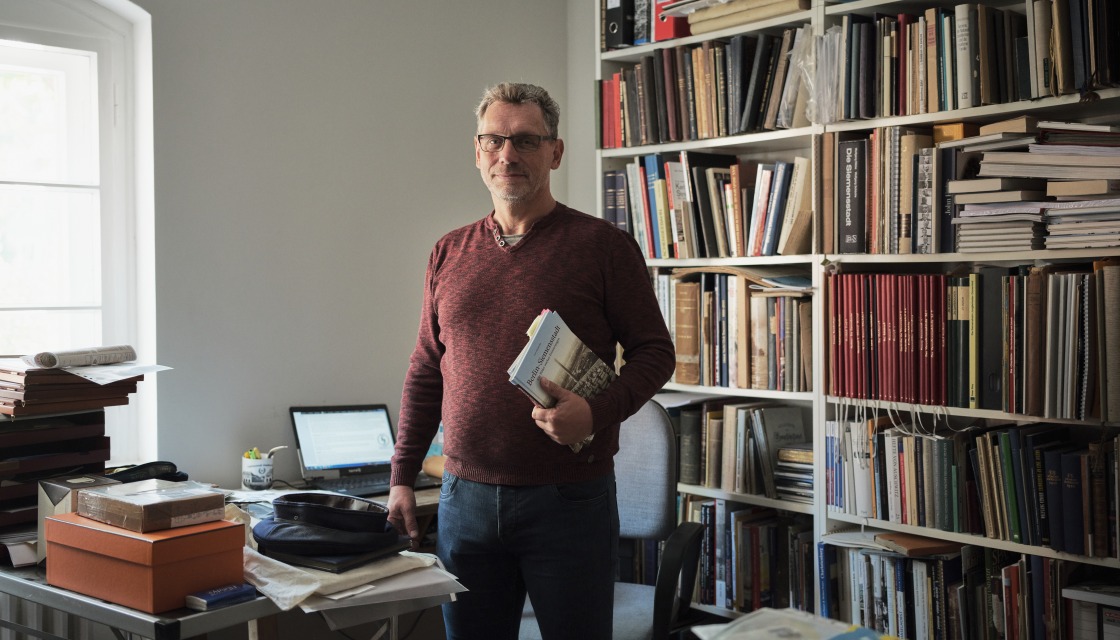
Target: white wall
[{"x": 308, "y": 153}]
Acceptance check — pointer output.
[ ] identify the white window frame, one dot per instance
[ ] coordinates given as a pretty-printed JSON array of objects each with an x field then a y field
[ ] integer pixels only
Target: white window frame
[{"x": 120, "y": 33}]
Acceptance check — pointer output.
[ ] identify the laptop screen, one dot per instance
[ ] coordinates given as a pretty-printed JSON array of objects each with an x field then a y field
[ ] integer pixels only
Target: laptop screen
[{"x": 343, "y": 440}]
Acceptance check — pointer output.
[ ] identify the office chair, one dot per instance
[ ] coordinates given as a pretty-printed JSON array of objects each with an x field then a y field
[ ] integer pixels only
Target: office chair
[{"x": 646, "y": 477}]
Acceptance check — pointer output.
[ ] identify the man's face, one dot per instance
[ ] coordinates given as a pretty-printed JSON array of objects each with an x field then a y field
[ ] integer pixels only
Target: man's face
[{"x": 511, "y": 175}]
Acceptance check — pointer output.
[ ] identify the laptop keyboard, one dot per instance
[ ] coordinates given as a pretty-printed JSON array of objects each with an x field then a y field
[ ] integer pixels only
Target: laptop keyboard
[
  {"x": 369, "y": 485},
  {"x": 357, "y": 485}
]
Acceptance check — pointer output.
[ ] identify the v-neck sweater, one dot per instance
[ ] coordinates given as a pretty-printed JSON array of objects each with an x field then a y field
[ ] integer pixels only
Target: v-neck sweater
[{"x": 480, "y": 297}]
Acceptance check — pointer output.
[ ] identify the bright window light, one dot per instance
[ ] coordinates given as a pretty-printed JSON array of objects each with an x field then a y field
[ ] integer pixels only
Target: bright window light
[{"x": 50, "y": 212}]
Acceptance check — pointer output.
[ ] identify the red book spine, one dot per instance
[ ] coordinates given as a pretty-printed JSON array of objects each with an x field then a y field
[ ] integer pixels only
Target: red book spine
[
  {"x": 832, "y": 289},
  {"x": 849, "y": 338}
]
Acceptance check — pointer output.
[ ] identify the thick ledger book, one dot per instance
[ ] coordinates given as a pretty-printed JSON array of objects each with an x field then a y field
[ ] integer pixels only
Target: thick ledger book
[
  {"x": 18, "y": 408},
  {"x": 63, "y": 392},
  {"x": 691, "y": 445},
  {"x": 559, "y": 355},
  {"x": 687, "y": 332}
]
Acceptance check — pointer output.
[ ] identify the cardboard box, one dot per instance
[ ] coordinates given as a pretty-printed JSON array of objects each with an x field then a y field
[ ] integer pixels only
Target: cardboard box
[
  {"x": 151, "y": 505},
  {"x": 57, "y": 496},
  {"x": 152, "y": 572}
]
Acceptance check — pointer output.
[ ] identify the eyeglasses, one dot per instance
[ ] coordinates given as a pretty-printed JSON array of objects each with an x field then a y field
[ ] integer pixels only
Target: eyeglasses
[{"x": 523, "y": 142}]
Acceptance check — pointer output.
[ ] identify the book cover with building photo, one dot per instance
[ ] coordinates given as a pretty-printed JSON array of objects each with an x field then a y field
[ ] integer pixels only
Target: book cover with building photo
[
  {"x": 558, "y": 354},
  {"x": 777, "y": 428}
]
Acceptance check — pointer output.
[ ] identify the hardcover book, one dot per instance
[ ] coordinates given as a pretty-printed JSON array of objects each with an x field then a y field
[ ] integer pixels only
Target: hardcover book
[
  {"x": 911, "y": 545},
  {"x": 221, "y": 596},
  {"x": 763, "y": 55},
  {"x": 686, "y": 332},
  {"x": 559, "y": 355},
  {"x": 851, "y": 179},
  {"x": 776, "y": 428}
]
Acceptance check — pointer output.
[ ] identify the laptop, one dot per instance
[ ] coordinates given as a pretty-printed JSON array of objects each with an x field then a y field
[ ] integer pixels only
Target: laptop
[{"x": 347, "y": 448}]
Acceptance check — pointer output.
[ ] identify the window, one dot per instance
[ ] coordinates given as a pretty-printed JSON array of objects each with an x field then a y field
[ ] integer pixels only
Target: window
[
  {"x": 76, "y": 243},
  {"x": 50, "y": 214}
]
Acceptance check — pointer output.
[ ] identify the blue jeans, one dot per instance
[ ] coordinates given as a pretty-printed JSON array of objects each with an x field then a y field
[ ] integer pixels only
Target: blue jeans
[{"x": 557, "y": 543}]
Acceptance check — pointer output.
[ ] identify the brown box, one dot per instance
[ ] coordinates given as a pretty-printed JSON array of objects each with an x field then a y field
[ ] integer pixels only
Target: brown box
[
  {"x": 152, "y": 572},
  {"x": 56, "y": 496},
  {"x": 151, "y": 505}
]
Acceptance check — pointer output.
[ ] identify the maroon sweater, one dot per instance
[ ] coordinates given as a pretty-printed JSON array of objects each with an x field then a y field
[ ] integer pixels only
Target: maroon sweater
[{"x": 479, "y": 299}]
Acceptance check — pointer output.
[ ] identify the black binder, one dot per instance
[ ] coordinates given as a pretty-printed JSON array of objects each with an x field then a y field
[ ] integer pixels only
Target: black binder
[{"x": 620, "y": 23}]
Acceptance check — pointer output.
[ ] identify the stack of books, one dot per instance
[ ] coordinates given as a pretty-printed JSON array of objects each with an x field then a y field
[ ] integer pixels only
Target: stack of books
[
  {"x": 37, "y": 448},
  {"x": 1057, "y": 186},
  {"x": 1061, "y": 151},
  {"x": 27, "y": 390},
  {"x": 1083, "y": 223},
  {"x": 1000, "y": 227},
  {"x": 1082, "y": 165},
  {"x": 713, "y": 17},
  {"x": 793, "y": 473}
]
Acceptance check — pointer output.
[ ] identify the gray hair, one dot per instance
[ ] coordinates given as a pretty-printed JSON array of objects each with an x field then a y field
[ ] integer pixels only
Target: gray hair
[{"x": 520, "y": 93}]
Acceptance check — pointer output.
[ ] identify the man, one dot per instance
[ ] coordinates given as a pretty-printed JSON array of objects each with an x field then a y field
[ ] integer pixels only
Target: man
[{"x": 519, "y": 511}]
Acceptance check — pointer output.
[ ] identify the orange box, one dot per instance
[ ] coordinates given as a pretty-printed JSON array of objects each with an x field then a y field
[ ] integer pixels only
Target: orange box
[{"x": 152, "y": 571}]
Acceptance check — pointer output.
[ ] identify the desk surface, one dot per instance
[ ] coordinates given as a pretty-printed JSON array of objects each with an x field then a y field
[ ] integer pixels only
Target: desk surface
[
  {"x": 427, "y": 500},
  {"x": 30, "y": 583}
]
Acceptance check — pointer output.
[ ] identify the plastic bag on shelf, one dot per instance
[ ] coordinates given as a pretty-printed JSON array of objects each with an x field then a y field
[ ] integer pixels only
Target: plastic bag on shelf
[
  {"x": 798, "y": 87},
  {"x": 824, "y": 78}
]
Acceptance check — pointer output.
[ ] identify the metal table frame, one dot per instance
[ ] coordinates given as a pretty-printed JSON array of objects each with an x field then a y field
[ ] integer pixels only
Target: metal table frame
[{"x": 30, "y": 583}]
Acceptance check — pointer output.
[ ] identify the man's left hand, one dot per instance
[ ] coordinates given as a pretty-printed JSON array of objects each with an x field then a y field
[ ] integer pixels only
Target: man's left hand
[{"x": 569, "y": 420}]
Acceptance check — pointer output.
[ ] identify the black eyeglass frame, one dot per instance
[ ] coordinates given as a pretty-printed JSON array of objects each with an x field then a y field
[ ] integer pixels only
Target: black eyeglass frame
[{"x": 522, "y": 142}]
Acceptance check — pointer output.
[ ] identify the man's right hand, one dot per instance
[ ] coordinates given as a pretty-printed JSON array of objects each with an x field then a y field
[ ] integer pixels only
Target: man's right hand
[{"x": 402, "y": 512}]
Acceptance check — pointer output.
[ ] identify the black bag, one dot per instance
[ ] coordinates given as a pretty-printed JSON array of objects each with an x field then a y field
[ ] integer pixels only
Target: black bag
[
  {"x": 323, "y": 524},
  {"x": 332, "y": 510}
]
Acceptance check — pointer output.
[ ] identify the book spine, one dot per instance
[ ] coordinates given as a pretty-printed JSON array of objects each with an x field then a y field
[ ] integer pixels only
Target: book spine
[
  {"x": 776, "y": 207},
  {"x": 853, "y": 197},
  {"x": 1073, "y": 511},
  {"x": 965, "y": 54},
  {"x": 690, "y": 446}
]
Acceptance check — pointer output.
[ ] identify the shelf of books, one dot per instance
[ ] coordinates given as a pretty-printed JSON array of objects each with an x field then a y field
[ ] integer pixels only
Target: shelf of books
[
  {"x": 746, "y": 472},
  {"x": 886, "y": 238}
]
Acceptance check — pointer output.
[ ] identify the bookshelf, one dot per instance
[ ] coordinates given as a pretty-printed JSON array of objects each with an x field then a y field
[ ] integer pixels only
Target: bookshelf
[{"x": 1024, "y": 92}]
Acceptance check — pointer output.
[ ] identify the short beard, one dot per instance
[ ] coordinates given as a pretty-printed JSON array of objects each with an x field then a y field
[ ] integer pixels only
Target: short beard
[
  {"x": 512, "y": 195},
  {"x": 512, "y": 198}
]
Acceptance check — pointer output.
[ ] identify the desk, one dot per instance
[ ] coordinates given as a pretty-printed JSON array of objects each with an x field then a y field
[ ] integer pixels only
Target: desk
[{"x": 30, "y": 584}]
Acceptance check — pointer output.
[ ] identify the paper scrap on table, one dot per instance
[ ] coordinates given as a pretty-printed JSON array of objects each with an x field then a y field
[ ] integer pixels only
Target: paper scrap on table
[{"x": 106, "y": 373}]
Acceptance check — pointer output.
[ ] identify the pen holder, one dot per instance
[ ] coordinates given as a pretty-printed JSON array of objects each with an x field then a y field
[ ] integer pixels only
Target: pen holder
[{"x": 256, "y": 473}]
